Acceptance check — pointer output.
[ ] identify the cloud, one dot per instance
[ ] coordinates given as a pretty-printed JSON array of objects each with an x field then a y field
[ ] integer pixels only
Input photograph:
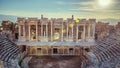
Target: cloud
[
  {"x": 86, "y": 9},
  {"x": 75, "y": 3},
  {"x": 94, "y": 8},
  {"x": 91, "y": 6},
  {"x": 86, "y": 3}
]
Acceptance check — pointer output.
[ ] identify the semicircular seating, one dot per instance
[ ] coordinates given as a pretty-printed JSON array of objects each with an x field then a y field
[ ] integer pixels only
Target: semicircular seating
[
  {"x": 107, "y": 51},
  {"x": 8, "y": 52},
  {"x": 8, "y": 49},
  {"x": 11, "y": 55}
]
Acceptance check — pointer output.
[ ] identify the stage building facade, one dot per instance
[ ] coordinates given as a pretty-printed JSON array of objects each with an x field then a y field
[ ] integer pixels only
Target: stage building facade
[{"x": 55, "y": 36}]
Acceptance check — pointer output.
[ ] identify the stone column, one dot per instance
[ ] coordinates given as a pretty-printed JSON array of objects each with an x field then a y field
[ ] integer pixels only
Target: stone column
[
  {"x": 67, "y": 30},
  {"x": 62, "y": 32},
  {"x": 51, "y": 50},
  {"x": 68, "y": 51},
  {"x": 47, "y": 50},
  {"x": 41, "y": 50},
  {"x": 72, "y": 30},
  {"x": 74, "y": 50},
  {"x": 19, "y": 30},
  {"x": 84, "y": 31},
  {"x": 93, "y": 30},
  {"x": 36, "y": 50},
  {"x": 44, "y": 34},
  {"x": 63, "y": 50},
  {"x": 77, "y": 33},
  {"x": 24, "y": 32},
  {"x": 89, "y": 30},
  {"x": 41, "y": 31},
  {"x": 29, "y": 31},
  {"x": 51, "y": 31},
  {"x": 36, "y": 31}
]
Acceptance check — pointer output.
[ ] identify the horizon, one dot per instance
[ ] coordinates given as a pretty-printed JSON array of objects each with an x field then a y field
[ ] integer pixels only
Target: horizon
[{"x": 111, "y": 21}]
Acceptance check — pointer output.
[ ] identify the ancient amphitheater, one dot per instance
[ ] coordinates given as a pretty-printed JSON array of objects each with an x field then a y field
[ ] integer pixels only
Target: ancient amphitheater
[{"x": 106, "y": 54}]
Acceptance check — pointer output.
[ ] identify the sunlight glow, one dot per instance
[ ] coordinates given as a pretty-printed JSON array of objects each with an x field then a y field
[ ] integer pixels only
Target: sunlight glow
[{"x": 104, "y": 3}]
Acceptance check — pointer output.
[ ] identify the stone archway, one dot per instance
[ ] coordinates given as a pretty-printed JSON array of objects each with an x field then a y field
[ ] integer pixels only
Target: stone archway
[
  {"x": 39, "y": 51},
  {"x": 71, "y": 51},
  {"x": 55, "y": 51}
]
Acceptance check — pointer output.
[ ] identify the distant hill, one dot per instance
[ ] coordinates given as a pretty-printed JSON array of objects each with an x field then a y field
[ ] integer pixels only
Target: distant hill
[
  {"x": 8, "y": 17},
  {"x": 110, "y": 20}
]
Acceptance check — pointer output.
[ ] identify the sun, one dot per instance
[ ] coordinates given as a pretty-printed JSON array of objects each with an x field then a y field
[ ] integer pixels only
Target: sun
[{"x": 104, "y": 3}]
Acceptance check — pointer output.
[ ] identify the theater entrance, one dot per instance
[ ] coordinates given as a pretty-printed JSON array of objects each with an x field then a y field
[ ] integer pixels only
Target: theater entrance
[{"x": 55, "y": 51}]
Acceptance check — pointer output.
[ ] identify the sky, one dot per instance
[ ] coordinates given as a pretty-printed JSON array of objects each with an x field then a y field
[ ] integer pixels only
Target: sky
[{"x": 62, "y": 8}]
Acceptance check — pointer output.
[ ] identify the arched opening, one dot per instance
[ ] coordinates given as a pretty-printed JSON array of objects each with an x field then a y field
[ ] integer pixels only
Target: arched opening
[
  {"x": 23, "y": 48},
  {"x": 16, "y": 35},
  {"x": 71, "y": 50},
  {"x": 55, "y": 51},
  {"x": 39, "y": 50}
]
